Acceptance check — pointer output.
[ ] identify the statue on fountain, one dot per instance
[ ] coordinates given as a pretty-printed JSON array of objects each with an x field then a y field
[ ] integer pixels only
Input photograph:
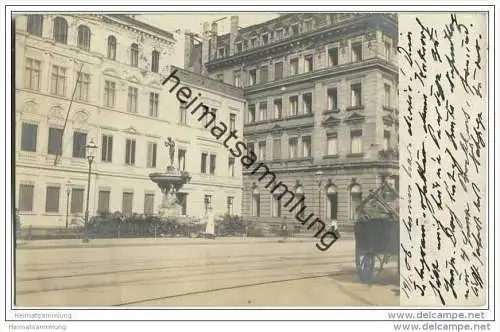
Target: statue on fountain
[
  {"x": 170, "y": 143},
  {"x": 170, "y": 182}
]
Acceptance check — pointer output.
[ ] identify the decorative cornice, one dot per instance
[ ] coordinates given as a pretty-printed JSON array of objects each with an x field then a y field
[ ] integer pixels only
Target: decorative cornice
[{"x": 331, "y": 121}]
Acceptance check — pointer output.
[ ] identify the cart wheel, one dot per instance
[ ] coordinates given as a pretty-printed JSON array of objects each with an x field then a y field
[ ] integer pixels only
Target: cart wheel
[{"x": 365, "y": 264}]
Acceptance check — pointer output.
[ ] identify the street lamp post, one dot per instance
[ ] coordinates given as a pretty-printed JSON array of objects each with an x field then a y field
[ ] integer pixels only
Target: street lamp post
[
  {"x": 91, "y": 147},
  {"x": 68, "y": 192},
  {"x": 319, "y": 179}
]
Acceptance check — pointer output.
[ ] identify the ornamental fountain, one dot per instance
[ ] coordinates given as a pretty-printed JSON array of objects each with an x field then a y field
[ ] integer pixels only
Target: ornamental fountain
[{"x": 170, "y": 182}]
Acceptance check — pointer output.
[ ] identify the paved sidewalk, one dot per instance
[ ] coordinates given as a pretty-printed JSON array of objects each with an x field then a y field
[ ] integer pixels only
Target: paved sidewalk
[{"x": 128, "y": 242}]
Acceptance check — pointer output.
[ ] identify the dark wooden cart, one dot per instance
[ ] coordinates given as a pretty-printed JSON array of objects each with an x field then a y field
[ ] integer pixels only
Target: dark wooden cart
[{"x": 376, "y": 231}]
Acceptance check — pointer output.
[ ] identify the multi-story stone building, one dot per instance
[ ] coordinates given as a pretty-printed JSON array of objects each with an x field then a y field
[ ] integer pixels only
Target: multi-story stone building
[
  {"x": 321, "y": 106},
  {"x": 107, "y": 70}
]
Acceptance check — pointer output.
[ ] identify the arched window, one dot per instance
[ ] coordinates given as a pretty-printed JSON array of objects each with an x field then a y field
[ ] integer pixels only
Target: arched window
[
  {"x": 35, "y": 25},
  {"x": 60, "y": 30},
  {"x": 134, "y": 55},
  {"x": 112, "y": 47},
  {"x": 83, "y": 37},
  {"x": 355, "y": 201},
  {"x": 299, "y": 194},
  {"x": 276, "y": 205},
  {"x": 155, "y": 61},
  {"x": 256, "y": 202},
  {"x": 332, "y": 202}
]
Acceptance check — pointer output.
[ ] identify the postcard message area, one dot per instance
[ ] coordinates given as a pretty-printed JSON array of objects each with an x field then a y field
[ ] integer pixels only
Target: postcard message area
[{"x": 443, "y": 142}]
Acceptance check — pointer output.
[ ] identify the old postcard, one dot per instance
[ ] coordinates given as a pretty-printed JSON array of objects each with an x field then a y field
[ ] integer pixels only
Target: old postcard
[{"x": 325, "y": 158}]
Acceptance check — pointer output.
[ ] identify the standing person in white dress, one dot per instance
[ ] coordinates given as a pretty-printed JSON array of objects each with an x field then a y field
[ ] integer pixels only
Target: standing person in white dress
[{"x": 334, "y": 225}]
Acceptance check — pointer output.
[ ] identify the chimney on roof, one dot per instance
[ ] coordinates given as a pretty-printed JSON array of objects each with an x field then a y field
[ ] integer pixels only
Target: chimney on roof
[
  {"x": 233, "y": 33},
  {"x": 213, "y": 41},
  {"x": 205, "y": 47}
]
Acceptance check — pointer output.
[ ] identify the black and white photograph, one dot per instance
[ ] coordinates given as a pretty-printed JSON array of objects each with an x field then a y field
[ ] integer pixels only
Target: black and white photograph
[{"x": 207, "y": 158}]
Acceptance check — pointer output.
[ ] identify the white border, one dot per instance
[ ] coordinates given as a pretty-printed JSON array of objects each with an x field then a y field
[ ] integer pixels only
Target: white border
[{"x": 333, "y": 314}]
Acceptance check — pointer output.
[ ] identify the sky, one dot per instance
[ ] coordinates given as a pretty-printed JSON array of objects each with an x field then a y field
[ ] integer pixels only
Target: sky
[{"x": 194, "y": 21}]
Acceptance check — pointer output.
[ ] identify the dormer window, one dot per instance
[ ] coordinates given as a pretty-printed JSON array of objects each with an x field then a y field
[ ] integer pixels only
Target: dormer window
[
  {"x": 279, "y": 34},
  {"x": 308, "y": 25},
  {"x": 239, "y": 47},
  {"x": 221, "y": 52},
  {"x": 265, "y": 39}
]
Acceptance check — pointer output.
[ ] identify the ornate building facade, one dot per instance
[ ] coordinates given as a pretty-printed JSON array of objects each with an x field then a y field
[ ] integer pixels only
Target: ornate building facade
[
  {"x": 108, "y": 71},
  {"x": 321, "y": 106}
]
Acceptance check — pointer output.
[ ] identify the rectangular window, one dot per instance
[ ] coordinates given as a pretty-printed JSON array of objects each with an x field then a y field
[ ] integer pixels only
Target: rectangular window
[
  {"x": 295, "y": 29},
  {"x": 107, "y": 148},
  {"x": 387, "y": 95},
  {"x": 356, "y": 95},
  {"x": 26, "y": 195},
  {"x": 332, "y": 145},
  {"x": 357, "y": 53},
  {"x": 237, "y": 79},
  {"x": 231, "y": 167},
  {"x": 278, "y": 109},
  {"x": 251, "y": 148},
  {"x": 265, "y": 39},
  {"x": 308, "y": 63},
  {"x": 151, "y": 155},
  {"x": 307, "y": 102},
  {"x": 332, "y": 99},
  {"x": 253, "y": 42},
  {"x": 35, "y": 25},
  {"x": 262, "y": 111},
  {"x": 230, "y": 200},
  {"x": 232, "y": 121},
  {"x": 58, "y": 81},
  {"x": 182, "y": 114},
  {"x": 356, "y": 146},
  {"x": 127, "y": 203},
  {"x": 239, "y": 47},
  {"x": 221, "y": 52},
  {"x": 387, "y": 140},
  {"x": 109, "y": 93},
  {"x": 103, "y": 201},
  {"x": 278, "y": 70},
  {"x": 306, "y": 147},
  {"x": 153, "y": 104},
  {"x": 181, "y": 159},
  {"x": 29, "y": 133},
  {"x": 32, "y": 75},
  {"x": 294, "y": 66},
  {"x": 155, "y": 61},
  {"x": 308, "y": 25},
  {"x": 132, "y": 100},
  {"x": 52, "y": 199},
  {"x": 262, "y": 150},
  {"x": 294, "y": 105},
  {"x": 204, "y": 157},
  {"x": 77, "y": 200},
  {"x": 79, "y": 144},
  {"x": 251, "y": 113},
  {"x": 213, "y": 164},
  {"x": 82, "y": 88},
  {"x": 55, "y": 141},
  {"x": 252, "y": 76},
  {"x": 387, "y": 51},
  {"x": 149, "y": 204},
  {"x": 263, "y": 74},
  {"x": 279, "y": 34},
  {"x": 277, "y": 149},
  {"x": 293, "y": 148},
  {"x": 130, "y": 152},
  {"x": 333, "y": 56},
  {"x": 256, "y": 205}
]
